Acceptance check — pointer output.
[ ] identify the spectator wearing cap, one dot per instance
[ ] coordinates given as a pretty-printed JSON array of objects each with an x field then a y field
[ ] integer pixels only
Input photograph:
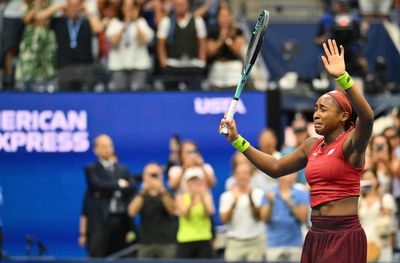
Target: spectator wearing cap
[
  {"x": 299, "y": 128},
  {"x": 194, "y": 207}
]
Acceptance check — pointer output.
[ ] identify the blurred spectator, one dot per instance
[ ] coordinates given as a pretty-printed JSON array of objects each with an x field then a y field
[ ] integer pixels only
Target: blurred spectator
[
  {"x": 174, "y": 152},
  {"x": 377, "y": 82},
  {"x": 108, "y": 9},
  {"x": 343, "y": 26},
  {"x": 380, "y": 159},
  {"x": 36, "y": 61},
  {"x": 74, "y": 30},
  {"x": 195, "y": 208},
  {"x": 239, "y": 209},
  {"x": 224, "y": 47},
  {"x": 129, "y": 60},
  {"x": 13, "y": 26},
  {"x": 110, "y": 188},
  {"x": 237, "y": 158},
  {"x": 393, "y": 135},
  {"x": 83, "y": 225},
  {"x": 286, "y": 211},
  {"x": 267, "y": 143},
  {"x": 190, "y": 158},
  {"x": 181, "y": 48},
  {"x": 156, "y": 208},
  {"x": 207, "y": 9},
  {"x": 375, "y": 8},
  {"x": 376, "y": 211},
  {"x": 1, "y": 224},
  {"x": 300, "y": 130},
  {"x": 155, "y": 10}
]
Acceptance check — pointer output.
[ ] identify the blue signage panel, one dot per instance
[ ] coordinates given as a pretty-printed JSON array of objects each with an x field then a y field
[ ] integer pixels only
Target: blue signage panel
[{"x": 46, "y": 141}]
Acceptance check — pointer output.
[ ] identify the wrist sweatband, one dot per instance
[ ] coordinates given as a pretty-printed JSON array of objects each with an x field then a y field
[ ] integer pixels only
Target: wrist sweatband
[
  {"x": 345, "y": 81},
  {"x": 240, "y": 144}
]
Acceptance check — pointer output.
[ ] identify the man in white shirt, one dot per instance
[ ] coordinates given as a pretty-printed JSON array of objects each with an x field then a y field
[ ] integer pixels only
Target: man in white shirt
[
  {"x": 181, "y": 46},
  {"x": 240, "y": 211}
]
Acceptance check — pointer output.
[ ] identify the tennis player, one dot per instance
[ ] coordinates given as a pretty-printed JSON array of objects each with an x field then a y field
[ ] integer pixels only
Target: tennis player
[{"x": 333, "y": 162}]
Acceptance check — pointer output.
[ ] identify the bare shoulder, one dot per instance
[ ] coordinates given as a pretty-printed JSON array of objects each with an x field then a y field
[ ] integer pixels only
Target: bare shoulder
[{"x": 309, "y": 144}]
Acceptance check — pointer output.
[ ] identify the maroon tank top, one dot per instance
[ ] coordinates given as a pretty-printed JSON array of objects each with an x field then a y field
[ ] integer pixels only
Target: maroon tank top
[{"x": 330, "y": 176}]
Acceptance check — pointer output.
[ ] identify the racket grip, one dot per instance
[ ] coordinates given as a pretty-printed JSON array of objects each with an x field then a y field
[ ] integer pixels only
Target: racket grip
[{"x": 229, "y": 115}]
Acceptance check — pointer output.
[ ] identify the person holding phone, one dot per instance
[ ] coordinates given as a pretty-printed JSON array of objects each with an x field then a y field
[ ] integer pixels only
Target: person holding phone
[
  {"x": 190, "y": 158},
  {"x": 157, "y": 234}
]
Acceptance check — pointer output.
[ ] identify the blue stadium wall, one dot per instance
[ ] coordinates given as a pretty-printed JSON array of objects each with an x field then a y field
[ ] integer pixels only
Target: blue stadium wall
[{"x": 46, "y": 140}]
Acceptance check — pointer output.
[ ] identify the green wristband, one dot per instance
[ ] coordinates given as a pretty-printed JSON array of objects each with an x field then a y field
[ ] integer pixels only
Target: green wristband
[
  {"x": 345, "y": 81},
  {"x": 240, "y": 144}
]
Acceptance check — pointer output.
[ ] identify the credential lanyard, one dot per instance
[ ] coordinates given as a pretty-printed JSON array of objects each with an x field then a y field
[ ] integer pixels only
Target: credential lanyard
[{"x": 73, "y": 30}]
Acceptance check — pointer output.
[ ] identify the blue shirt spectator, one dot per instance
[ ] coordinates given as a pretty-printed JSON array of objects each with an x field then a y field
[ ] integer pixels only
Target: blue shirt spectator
[
  {"x": 284, "y": 228},
  {"x": 287, "y": 206}
]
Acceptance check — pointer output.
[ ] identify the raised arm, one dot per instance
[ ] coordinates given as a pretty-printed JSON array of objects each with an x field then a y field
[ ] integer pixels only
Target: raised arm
[
  {"x": 290, "y": 163},
  {"x": 335, "y": 65},
  {"x": 48, "y": 12}
]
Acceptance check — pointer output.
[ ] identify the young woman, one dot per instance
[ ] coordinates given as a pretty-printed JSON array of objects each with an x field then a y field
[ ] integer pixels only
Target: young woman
[
  {"x": 377, "y": 211},
  {"x": 333, "y": 163}
]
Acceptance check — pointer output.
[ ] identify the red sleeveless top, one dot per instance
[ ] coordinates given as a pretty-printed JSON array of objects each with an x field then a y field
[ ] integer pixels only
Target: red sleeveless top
[{"x": 330, "y": 176}]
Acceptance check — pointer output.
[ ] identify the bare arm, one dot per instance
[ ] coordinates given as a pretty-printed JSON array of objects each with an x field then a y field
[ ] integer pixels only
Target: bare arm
[
  {"x": 168, "y": 203},
  {"x": 335, "y": 65},
  {"x": 208, "y": 204},
  {"x": 255, "y": 211},
  {"x": 136, "y": 204},
  {"x": 162, "y": 51},
  {"x": 211, "y": 181},
  {"x": 202, "y": 49},
  {"x": 174, "y": 181},
  {"x": 82, "y": 230},
  {"x": 95, "y": 24},
  {"x": 48, "y": 12},
  {"x": 227, "y": 216},
  {"x": 203, "y": 9},
  {"x": 30, "y": 15},
  {"x": 266, "y": 211},
  {"x": 183, "y": 209},
  {"x": 300, "y": 212},
  {"x": 115, "y": 39}
]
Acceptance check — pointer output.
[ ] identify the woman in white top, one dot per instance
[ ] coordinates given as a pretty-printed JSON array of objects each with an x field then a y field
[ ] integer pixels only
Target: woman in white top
[
  {"x": 129, "y": 60},
  {"x": 376, "y": 211}
]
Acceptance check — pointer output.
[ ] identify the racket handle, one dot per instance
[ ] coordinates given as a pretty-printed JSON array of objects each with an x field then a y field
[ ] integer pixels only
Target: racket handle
[{"x": 229, "y": 115}]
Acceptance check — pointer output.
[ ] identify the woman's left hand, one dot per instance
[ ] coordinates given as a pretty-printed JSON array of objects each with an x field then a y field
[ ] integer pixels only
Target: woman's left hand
[{"x": 333, "y": 59}]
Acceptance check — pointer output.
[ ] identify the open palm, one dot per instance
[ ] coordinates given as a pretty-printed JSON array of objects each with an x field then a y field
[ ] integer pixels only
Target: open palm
[{"x": 333, "y": 59}]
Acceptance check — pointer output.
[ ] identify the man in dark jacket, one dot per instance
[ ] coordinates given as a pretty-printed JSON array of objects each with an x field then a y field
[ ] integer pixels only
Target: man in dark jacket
[{"x": 110, "y": 190}]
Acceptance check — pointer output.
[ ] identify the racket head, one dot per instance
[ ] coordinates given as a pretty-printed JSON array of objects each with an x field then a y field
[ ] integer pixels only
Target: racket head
[{"x": 256, "y": 40}]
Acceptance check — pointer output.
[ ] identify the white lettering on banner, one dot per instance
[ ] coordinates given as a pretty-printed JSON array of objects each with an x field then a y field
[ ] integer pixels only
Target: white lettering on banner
[
  {"x": 44, "y": 131},
  {"x": 216, "y": 106}
]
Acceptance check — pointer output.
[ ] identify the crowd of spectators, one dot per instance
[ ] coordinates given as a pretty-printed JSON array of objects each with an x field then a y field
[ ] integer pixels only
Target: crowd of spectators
[
  {"x": 264, "y": 218},
  {"x": 118, "y": 45},
  {"x": 130, "y": 45}
]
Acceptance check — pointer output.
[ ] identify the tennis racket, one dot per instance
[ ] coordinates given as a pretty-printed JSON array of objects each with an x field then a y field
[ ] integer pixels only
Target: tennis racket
[{"x": 253, "y": 49}]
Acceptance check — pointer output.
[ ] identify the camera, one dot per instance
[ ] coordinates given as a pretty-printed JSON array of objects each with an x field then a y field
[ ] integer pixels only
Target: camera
[
  {"x": 193, "y": 152},
  {"x": 365, "y": 186},
  {"x": 379, "y": 148}
]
